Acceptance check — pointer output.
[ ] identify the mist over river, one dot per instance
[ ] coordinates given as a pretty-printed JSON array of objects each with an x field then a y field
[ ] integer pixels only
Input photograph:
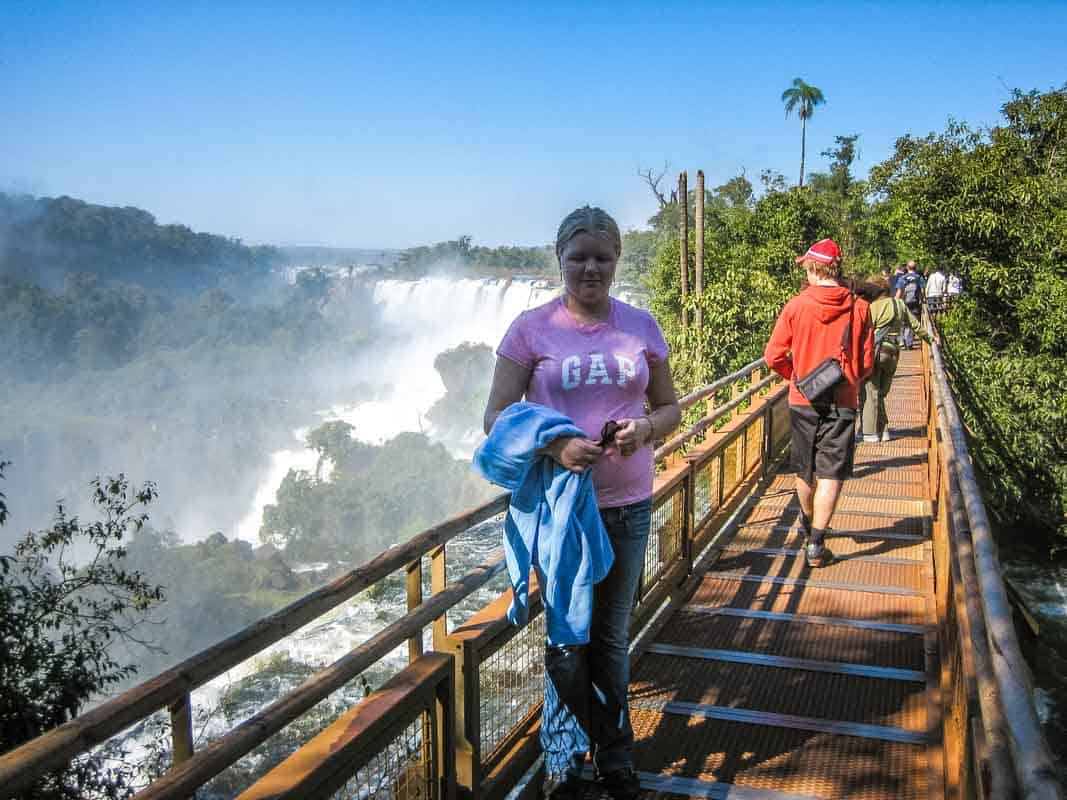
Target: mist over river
[
  {"x": 415, "y": 321},
  {"x": 419, "y": 320}
]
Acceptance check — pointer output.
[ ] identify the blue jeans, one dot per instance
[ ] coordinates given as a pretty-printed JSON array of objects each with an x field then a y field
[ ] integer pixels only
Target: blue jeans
[
  {"x": 907, "y": 334},
  {"x": 586, "y": 686}
]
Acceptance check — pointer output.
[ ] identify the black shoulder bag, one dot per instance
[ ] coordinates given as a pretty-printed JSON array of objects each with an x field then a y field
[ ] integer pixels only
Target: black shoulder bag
[
  {"x": 882, "y": 357},
  {"x": 819, "y": 385}
]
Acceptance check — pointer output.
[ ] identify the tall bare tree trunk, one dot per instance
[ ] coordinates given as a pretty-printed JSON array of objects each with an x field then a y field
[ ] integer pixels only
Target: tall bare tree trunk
[
  {"x": 683, "y": 249},
  {"x": 803, "y": 142},
  {"x": 698, "y": 233},
  {"x": 698, "y": 285}
]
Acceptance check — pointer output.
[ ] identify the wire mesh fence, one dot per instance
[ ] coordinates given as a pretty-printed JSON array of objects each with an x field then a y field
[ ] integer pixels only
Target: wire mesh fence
[
  {"x": 664, "y": 537},
  {"x": 753, "y": 443},
  {"x": 511, "y": 682},
  {"x": 405, "y": 769}
]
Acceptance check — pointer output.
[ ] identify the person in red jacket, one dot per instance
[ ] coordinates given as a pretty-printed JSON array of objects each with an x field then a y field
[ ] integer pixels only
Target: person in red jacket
[{"x": 810, "y": 329}]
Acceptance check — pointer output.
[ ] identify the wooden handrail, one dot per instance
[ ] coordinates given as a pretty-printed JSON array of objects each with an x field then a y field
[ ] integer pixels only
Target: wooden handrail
[
  {"x": 1035, "y": 772},
  {"x": 704, "y": 392},
  {"x": 21, "y": 766},
  {"x": 184, "y": 779},
  {"x": 704, "y": 423},
  {"x": 323, "y": 764}
]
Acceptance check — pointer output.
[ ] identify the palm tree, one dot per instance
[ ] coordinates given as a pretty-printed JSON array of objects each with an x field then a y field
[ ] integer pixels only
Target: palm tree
[{"x": 803, "y": 97}]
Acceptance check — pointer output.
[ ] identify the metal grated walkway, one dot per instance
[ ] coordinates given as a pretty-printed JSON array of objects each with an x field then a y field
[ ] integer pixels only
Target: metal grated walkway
[{"x": 776, "y": 681}]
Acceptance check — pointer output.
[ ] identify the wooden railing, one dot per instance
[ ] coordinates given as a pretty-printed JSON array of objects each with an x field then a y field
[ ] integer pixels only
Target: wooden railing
[
  {"x": 466, "y": 717},
  {"x": 993, "y": 743},
  {"x": 495, "y": 669}
]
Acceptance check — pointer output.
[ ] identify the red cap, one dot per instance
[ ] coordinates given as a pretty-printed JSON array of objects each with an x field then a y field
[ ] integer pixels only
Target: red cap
[{"x": 825, "y": 251}]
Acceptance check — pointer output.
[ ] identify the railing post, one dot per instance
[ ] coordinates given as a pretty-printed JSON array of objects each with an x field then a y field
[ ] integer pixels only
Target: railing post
[
  {"x": 181, "y": 730},
  {"x": 738, "y": 390},
  {"x": 438, "y": 580},
  {"x": 689, "y": 521},
  {"x": 768, "y": 438},
  {"x": 414, "y": 586},
  {"x": 444, "y": 719},
  {"x": 464, "y": 751}
]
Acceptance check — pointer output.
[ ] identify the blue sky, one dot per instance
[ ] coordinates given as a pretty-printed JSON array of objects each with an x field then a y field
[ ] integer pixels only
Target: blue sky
[{"x": 393, "y": 124}]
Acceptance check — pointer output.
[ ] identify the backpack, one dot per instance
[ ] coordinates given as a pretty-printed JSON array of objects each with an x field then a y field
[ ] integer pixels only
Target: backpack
[
  {"x": 885, "y": 349},
  {"x": 911, "y": 289}
]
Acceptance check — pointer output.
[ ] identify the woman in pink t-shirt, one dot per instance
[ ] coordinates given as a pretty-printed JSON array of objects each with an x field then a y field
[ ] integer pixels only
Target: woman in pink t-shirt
[{"x": 594, "y": 359}]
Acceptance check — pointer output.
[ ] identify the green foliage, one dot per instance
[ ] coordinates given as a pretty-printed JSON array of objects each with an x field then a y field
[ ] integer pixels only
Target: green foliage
[
  {"x": 460, "y": 255},
  {"x": 992, "y": 206},
  {"x": 88, "y": 325},
  {"x": 749, "y": 273},
  {"x": 466, "y": 372},
  {"x": 803, "y": 97},
  {"x": 47, "y": 237},
  {"x": 849, "y": 211},
  {"x": 58, "y": 622},
  {"x": 382, "y": 497},
  {"x": 638, "y": 255},
  {"x": 219, "y": 586},
  {"x": 174, "y": 386}
]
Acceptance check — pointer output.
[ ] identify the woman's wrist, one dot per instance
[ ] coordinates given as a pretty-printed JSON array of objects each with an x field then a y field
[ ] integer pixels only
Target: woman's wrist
[{"x": 651, "y": 435}]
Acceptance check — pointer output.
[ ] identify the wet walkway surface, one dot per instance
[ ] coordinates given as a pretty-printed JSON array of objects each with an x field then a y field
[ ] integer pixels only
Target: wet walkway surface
[{"x": 778, "y": 681}]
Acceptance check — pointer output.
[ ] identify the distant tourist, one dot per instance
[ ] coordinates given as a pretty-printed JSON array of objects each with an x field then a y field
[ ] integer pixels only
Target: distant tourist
[
  {"x": 909, "y": 288},
  {"x": 824, "y": 322},
  {"x": 898, "y": 273},
  {"x": 954, "y": 285},
  {"x": 888, "y": 316},
  {"x": 936, "y": 286},
  {"x": 594, "y": 359}
]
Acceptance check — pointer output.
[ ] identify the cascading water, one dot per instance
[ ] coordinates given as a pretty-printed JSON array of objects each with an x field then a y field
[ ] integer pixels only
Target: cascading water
[{"x": 420, "y": 319}]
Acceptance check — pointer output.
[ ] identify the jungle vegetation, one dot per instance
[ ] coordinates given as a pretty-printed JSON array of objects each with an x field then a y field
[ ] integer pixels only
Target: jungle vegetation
[{"x": 987, "y": 204}]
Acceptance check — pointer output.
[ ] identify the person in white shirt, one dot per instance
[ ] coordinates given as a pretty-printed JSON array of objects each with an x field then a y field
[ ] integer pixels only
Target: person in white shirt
[
  {"x": 954, "y": 286},
  {"x": 935, "y": 291}
]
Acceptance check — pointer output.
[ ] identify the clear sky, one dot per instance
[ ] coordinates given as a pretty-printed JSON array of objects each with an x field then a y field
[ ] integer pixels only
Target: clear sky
[{"x": 393, "y": 124}]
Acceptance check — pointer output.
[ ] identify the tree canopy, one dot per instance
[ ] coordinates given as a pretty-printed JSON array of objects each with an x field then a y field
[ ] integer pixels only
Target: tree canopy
[
  {"x": 43, "y": 239},
  {"x": 802, "y": 97},
  {"x": 988, "y": 205},
  {"x": 991, "y": 206},
  {"x": 58, "y": 624}
]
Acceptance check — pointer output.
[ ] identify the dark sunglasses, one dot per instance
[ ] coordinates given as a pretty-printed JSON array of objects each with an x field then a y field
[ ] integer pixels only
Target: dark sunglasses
[{"x": 607, "y": 433}]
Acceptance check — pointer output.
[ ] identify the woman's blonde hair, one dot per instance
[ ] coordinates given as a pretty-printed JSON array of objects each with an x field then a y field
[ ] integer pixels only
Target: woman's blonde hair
[{"x": 592, "y": 220}]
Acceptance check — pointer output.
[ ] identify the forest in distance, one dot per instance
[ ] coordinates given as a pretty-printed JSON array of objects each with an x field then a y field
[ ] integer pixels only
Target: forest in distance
[{"x": 127, "y": 342}]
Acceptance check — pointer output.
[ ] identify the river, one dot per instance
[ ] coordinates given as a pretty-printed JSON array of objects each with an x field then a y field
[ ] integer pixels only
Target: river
[{"x": 1042, "y": 583}]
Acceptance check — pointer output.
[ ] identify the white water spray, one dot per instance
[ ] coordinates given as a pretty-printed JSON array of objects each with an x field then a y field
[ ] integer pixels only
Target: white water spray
[{"x": 421, "y": 319}]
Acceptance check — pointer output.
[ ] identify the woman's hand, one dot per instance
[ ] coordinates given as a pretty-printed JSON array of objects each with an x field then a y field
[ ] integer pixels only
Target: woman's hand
[
  {"x": 632, "y": 435},
  {"x": 574, "y": 452}
]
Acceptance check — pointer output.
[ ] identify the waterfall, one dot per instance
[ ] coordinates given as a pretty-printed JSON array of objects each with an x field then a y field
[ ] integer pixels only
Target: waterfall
[{"x": 419, "y": 320}]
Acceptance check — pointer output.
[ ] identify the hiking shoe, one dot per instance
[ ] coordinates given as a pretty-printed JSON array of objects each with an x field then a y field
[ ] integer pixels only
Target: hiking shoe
[
  {"x": 570, "y": 788},
  {"x": 871, "y": 438},
  {"x": 886, "y": 435},
  {"x": 817, "y": 555},
  {"x": 621, "y": 784}
]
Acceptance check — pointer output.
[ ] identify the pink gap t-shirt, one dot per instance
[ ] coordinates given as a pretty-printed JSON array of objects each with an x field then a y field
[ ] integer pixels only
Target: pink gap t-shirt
[{"x": 592, "y": 373}]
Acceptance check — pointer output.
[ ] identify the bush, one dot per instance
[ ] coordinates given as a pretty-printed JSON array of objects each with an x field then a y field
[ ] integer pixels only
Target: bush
[
  {"x": 992, "y": 206},
  {"x": 58, "y": 622}
]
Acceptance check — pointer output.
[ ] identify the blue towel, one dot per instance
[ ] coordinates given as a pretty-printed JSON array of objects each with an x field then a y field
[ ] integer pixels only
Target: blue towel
[{"x": 553, "y": 522}]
